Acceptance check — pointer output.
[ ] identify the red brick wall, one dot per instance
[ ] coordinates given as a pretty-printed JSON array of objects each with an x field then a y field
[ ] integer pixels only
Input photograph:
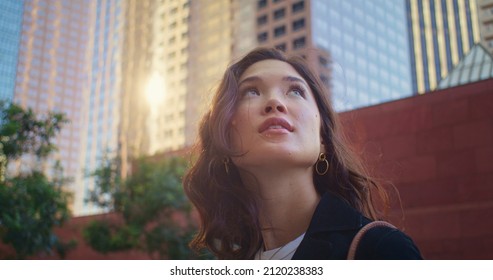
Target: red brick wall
[
  {"x": 437, "y": 150},
  {"x": 72, "y": 230}
]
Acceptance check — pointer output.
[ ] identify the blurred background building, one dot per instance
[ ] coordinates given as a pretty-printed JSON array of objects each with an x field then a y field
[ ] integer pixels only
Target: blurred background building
[
  {"x": 360, "y": 48},
  {"x": 10, "y": 30},
  {"x": 440, "y": 34},
  {"x": 477, "y": 65},
  {"x": 485, "y": 15},
  {"x": 220, "y": 32},
  {"x": 102, "y": 95},
  {"x": 135, "y": 76},
  {"x": 155, "y": 69},
  {"x": 52, "y": 71}
]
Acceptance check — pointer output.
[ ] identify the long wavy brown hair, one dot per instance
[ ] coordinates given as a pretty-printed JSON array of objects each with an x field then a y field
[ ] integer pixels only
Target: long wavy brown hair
[{"x": 229, "y": 225}]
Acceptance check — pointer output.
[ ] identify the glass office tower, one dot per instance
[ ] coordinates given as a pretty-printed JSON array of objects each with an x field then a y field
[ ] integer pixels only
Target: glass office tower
[
  {"x": 10, "y": 34},
  {"x": 441, "y": 32},
  {"x": 101, "y": 119},
  {"x": 368, "y": 45},
  {"x": 51, "y": 72}
]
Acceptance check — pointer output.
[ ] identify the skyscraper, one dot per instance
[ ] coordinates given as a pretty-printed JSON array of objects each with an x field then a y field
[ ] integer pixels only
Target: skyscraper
[
  {"x": 52, "y": 70},
  {"x": 485, "y": 16},
  {"x": 221, "y": 31},
  {"x": 286, "y": 25},
  {"x": 441, "y": 32},
  {"x": 359, "y": 47},
  {"x": 154, "y": 76},
  {"x": 10, "y": 32},
  {"x": 101, "y": 96}
]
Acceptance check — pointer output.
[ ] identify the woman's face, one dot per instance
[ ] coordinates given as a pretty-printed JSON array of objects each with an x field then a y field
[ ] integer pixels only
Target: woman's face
[{"x": 276, "y": 122}]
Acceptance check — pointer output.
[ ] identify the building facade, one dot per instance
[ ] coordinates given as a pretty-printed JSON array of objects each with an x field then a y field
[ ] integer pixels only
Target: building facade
[
  {"x": 52, "y": 73},
  {"x": 154, "y": 73},
  {"x": 358, "y": 48},
  {"x": 68, "y": 60},
  {"x": 369, "y": 50},
  {"x": 221, "y": 32},
  {"x": 485, "y": 16},
  {"x": 287, "y": 25},
  {"x": 441, "y": 32},
  {"x": 10, "y": 32},
  {"x": 101, "y": 99}
]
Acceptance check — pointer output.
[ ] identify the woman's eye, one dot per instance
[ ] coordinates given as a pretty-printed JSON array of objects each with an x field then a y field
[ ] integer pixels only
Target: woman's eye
[
  {"x": 251, "y": 92},
  {"x": 297, "y": 91}
]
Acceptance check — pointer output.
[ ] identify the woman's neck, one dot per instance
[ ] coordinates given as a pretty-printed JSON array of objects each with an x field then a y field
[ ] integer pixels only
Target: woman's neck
[{"x": 287, "y": 201}]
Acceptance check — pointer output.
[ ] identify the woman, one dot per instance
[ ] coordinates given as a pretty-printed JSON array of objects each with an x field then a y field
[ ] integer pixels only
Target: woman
[{"x": 273, "y": 178}]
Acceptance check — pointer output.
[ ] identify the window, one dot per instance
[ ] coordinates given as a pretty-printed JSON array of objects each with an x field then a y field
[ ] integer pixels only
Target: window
[
  {"x": 323, "y": 61},
  {"x": 297, "y": 7},
  {"x": 261, "y": 4},
  {"x": 262, "y": 37},
  {"x": 298, "y": 24},
  {"x": 278, "y": 14},
  {"x": 281, "y": 47},
  {"x": 262, "y": 20},
  {"x": 279, "y": 31},
  {"x": 299, "y": 43}
]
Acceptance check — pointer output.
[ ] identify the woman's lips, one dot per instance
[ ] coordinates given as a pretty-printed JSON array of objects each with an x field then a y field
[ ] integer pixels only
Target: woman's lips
[{"x": 275, "y": 125}]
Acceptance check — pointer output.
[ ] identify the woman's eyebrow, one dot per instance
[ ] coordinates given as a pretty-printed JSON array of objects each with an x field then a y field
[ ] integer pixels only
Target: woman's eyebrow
[
  {"x": 294, "y": 79},
  {"x": 286, "y": 79},
  {"x": 250, "y": 79}
]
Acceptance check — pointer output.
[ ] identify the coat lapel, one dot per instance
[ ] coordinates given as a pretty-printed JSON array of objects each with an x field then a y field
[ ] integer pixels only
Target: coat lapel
[{"x": 331, "y": 230}]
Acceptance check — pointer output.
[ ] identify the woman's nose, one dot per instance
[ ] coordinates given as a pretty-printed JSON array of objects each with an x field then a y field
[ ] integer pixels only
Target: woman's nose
[{"x": 274, "y": 105}]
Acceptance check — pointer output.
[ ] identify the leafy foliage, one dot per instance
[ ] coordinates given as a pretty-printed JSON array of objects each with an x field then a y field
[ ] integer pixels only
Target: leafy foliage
[
  {"x": 149, "y": 201},
  {"x": 23, "y": 132},
  {"x": 105, "y": 237},
  {"x": 31, "y": 204}
]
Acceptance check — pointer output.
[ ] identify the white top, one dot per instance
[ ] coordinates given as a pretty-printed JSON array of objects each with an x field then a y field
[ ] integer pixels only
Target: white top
[{"x": 285, "y": 252}]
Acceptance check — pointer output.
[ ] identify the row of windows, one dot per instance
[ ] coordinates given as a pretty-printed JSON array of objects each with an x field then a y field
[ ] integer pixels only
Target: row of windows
[
  {"x": 488, "y": 11},
  {"x": 297, "y": 44},
  {"x": 297, "y": 24},
  {"x": 175, "y": 9},
  {"x": 488, "y": 27},
  {"x": 490, "y": 44},
  {"x": 296, "y": 7},
  {"x": 281, "y": 30},
  {"x": 174, "y": 24}
]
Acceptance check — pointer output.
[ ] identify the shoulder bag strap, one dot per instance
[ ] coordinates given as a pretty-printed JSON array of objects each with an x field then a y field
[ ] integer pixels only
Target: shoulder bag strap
[{"x": 357, "y": 238}]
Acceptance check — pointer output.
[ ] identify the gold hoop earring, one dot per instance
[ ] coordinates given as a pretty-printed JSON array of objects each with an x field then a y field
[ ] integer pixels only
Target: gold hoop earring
[
  {"x": 322, "y": 158},
  {"x": 226, "y": 163}
]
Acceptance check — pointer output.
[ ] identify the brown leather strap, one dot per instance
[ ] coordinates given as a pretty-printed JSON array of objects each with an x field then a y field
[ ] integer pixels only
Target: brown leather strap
[{"x": 357, "y": 238}]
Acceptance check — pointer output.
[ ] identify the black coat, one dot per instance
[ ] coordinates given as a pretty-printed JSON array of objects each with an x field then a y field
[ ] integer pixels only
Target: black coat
[{"x": 333, "y": 226}]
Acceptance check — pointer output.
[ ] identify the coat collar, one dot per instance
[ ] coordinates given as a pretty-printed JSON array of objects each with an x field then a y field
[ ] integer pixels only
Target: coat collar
[
  {"x": 332, "y": 227},
  {"x": 333, "y": 214}
]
